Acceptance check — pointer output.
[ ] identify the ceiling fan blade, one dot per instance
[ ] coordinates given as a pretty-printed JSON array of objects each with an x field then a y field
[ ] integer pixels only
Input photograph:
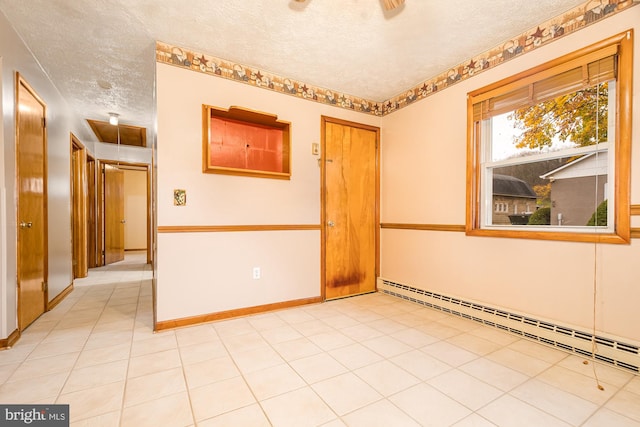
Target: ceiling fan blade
[
  {"x": 388, "y": 4},
  {"x": 392, "y": 4}
]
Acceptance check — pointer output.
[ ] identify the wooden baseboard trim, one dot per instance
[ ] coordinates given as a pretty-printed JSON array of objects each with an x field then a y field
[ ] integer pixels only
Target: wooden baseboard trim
[
  {"x": 58, "y": 298},
  {"x": 8, "y": 342},
  {"x": 635, "y": 209},
  {"x": 423, "y": 227},
  {"x": 228, "y": 228},
  {"x": 204, "y": 318}
]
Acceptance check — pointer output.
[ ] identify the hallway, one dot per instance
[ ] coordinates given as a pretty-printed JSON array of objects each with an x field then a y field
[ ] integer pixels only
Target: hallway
[{"x": 371, "y": 360}]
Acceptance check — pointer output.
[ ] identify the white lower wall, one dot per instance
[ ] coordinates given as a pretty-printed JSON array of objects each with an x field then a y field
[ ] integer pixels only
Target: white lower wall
[{"x": 215, "y": 270}]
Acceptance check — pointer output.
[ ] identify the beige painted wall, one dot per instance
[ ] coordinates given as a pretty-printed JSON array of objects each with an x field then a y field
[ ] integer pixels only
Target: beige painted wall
[
  {"x": 200, "y": 273},
  {"x": 135, "y": 209},
  {"x": 423, "y": 181},
  {"x": 61, "y": 120}
]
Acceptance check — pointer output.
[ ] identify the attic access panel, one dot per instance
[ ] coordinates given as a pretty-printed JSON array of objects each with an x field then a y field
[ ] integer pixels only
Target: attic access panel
[
  {"x": 244, "y": 142},
  {"x": 129, "y": 135}
]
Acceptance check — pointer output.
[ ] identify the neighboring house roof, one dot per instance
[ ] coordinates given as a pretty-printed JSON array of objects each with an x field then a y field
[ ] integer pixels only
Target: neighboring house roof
[
  {"x": 506, "y": 185},
  {"x": 588, "y": 165}
]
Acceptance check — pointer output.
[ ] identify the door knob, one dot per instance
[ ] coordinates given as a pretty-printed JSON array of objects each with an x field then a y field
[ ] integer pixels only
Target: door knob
[
  {"x": 331, "y": 223},
  {"x": 26, "y": 224}
]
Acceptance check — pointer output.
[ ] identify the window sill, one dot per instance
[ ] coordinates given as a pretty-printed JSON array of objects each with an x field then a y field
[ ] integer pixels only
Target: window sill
[{"x": 620, "y": 237}]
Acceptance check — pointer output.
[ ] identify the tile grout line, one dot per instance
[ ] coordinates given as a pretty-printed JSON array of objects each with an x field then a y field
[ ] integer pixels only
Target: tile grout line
[
  {"x": 59, "y": 394},
  {"x": 613, "y": 395},
  {"x": 186, "y": 383},
  {"x": 126, "y": 373},
  {"x": 331, "y": 318}
]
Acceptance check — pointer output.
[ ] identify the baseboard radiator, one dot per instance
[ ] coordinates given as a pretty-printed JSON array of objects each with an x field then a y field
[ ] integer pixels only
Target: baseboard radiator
[{"x": 611, "y": 351}]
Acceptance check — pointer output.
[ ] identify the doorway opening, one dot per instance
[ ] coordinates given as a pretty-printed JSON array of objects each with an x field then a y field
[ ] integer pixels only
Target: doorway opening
[{"x": 123, "y": 213}]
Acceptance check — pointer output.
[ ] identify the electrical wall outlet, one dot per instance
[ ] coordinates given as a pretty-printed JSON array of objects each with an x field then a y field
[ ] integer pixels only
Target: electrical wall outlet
[{"x": 256, "y": 272}]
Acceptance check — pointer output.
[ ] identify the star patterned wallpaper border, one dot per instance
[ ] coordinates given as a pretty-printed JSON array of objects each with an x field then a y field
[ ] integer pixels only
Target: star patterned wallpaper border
[{"x": 580, "y": 17}]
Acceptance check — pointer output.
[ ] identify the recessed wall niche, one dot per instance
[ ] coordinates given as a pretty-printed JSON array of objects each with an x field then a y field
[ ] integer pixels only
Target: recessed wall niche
[{"x": 239, "y": 141}]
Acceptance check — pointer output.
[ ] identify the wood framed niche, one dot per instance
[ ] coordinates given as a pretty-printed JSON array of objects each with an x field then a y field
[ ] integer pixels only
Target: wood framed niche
[{"x": 239, "y": 141}]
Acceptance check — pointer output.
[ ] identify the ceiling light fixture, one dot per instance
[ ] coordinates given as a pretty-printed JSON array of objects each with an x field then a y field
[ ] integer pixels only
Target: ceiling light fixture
[{"x": 113, "y": 119}]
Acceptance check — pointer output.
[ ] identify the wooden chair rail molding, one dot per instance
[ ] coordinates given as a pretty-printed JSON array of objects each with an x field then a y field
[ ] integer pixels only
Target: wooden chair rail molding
[
  {"x": 423, "y": 227},
  {"x": 228, "y": 228},
  {"x": 635, "y": 232}
]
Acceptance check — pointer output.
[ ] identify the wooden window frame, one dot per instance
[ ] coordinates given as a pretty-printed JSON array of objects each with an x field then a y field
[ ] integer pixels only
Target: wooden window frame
[{"x": 621, "y": 232}]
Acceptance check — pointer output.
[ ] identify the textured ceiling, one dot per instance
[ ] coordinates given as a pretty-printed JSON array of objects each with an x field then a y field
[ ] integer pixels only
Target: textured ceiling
[{"x": 101, "y": 53}]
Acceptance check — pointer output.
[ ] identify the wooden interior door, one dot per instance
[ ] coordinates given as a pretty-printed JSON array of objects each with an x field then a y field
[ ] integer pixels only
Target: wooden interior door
[
  {"x": 113, "y": 214},
  {"x": 79, "y": 208},
  {"x": 350, "y": 201},
  {"x": 31, "y": 153}
]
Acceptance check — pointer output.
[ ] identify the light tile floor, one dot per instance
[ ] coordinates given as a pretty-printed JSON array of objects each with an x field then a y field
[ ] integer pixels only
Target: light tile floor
[{"x": 371, "y": 360}]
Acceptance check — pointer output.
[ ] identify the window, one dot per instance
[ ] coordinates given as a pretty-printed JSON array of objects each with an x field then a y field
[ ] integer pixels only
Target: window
[{"x": 549, "y": 149}]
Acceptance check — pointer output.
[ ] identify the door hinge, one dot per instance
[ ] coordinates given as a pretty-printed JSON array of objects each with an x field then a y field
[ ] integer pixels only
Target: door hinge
[
  {"x": 44, "y": 286},
  {"x": 44, "y": 122}
]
